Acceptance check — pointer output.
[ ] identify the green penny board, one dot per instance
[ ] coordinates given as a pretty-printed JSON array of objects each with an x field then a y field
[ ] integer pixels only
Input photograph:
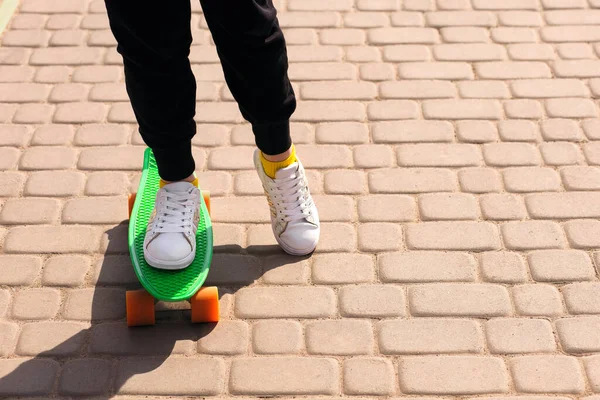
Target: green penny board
[{"x": 166, "y": 285}]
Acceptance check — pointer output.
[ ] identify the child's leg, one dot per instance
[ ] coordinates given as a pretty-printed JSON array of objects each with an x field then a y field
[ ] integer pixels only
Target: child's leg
[
  {"x": 252, "y": 50},
  {"x": 254, "y": 58},
  {"x": 154, "y": 38}
]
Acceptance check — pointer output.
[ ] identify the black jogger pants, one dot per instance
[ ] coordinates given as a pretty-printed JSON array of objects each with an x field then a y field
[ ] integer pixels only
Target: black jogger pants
[{"x": 154, "y": 38}]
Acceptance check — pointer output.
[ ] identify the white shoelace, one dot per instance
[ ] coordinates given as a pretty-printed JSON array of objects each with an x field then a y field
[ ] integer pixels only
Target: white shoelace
[
  {"x": 289, "y": 195},
  {"x": 175, "y": 213}
]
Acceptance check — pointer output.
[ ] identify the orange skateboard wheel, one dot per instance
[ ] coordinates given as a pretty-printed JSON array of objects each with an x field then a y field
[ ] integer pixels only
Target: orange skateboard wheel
[
  {"x": 206, "y": 196},
  {"x": 140, "y": 308},
  {"x": 130, "y": 202},
  {"x": 205, "y": 305}
]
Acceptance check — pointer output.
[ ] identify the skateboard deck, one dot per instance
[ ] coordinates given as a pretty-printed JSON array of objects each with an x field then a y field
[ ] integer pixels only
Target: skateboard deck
[{"x": 167, "y": 285}]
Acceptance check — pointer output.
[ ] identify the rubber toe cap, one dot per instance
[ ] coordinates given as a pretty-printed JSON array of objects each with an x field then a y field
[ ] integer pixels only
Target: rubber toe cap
[{"x": 169, "y": 247}]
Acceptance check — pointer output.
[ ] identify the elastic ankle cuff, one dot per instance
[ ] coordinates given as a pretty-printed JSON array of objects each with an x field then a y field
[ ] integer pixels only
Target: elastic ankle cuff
[
  {"x": 175, "y": 163},
  {"x": 273, "y": 138}
]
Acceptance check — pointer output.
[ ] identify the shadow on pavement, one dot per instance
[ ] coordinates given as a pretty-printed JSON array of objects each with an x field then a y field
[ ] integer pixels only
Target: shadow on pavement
[{"x": 87, "y": 359}]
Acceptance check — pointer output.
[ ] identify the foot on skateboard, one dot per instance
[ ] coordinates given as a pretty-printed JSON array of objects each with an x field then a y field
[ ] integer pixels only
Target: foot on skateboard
[{"x": 168, "y": 285}]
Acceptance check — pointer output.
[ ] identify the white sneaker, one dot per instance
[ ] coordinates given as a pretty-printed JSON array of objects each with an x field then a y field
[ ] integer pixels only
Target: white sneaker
[
  {"x": 170, "y": 241},
  {"x": 294, "y": 216}
]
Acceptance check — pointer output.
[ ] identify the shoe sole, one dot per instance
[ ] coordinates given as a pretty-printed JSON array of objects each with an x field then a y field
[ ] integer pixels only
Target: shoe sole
[
  {"x": 296, "y": 252},
  {"x": 170, "y": 265}
]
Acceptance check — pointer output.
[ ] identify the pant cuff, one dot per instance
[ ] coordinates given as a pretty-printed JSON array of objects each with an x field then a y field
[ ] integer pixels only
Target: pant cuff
[
  {"x": 273, "y": 138},
  {"x": 175, "y": 163}
]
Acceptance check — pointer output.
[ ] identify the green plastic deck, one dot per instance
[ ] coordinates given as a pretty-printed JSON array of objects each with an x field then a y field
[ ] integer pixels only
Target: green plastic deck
[{"x": 166, "y": 285}]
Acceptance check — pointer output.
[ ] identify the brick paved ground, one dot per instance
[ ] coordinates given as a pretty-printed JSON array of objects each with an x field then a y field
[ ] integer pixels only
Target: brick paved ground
[{"x": 452, "y": 148}]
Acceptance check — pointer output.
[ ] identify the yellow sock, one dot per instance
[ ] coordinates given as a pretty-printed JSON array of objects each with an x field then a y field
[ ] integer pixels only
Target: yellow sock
[
  {"x": 162, "y": 183},
  {"x": 271, "y": 167}
]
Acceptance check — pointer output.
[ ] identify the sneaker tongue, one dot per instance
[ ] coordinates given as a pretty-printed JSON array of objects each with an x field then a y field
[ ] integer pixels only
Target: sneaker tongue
[
  {"x": 286, "y": 172},
  {"x": 178, "y": 187}
]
